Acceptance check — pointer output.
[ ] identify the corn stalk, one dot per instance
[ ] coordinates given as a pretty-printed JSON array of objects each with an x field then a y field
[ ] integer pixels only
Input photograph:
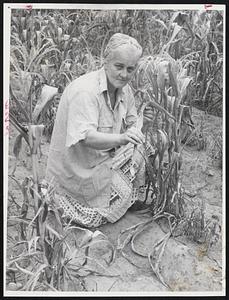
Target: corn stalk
[{"x": 161, "y": 84}]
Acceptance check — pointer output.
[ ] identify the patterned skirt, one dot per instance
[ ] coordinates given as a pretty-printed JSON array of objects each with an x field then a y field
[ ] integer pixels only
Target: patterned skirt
[{"x": 128, "y": 180}]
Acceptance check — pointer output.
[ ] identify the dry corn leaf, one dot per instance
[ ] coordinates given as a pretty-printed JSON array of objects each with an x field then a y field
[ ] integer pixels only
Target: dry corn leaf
[{"x": 156, "y": 255}]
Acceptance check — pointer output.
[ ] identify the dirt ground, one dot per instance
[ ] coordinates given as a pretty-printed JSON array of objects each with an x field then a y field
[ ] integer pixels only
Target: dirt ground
[{"x": 185, "y": 265}]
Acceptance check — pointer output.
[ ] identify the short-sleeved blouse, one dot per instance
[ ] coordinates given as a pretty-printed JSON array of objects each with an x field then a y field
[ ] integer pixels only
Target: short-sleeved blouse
[{"x": 86, "y": 173}]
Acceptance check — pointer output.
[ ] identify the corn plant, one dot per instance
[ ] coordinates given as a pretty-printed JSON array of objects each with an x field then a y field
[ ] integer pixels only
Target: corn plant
[
  {"x": 215, "y": 150},
  {"x": 51, "y": 259},
  {"x": 196, "y": 37},
  {"x": 30, "y": 103},
  {"x": 31, "y": 130},
  {"x": 207, "y": 70},
  {"x": 161, "y": 82},
  {"x": 43, "y": 254}
]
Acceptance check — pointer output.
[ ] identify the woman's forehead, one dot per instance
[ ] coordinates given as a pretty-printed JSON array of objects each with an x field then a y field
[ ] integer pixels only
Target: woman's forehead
[{"x": 126, "y": 54}]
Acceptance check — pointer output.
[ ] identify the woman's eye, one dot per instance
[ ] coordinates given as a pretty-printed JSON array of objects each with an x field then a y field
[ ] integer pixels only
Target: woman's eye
[
  {"x": 119, "y": 67},
  {"x": 130, "y": 70}
]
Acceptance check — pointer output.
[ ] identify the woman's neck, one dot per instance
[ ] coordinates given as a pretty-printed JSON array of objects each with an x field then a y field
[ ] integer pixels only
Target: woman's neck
[
  {"x": 111, "y": 89},
  {"x": 112, "y": 92}
]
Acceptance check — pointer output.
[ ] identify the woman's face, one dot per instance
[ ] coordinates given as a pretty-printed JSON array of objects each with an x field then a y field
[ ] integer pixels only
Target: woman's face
[{"x": 120, "y": 65}]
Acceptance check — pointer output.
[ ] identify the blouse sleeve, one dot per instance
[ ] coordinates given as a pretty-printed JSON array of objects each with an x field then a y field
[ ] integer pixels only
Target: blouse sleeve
[
  {"x": 131, "y": 116},
  {"x": 83, "y": 115}
]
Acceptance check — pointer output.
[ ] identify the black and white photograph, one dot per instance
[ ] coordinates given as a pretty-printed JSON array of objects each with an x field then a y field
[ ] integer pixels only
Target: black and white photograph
[{"x": 114, "y": 138}]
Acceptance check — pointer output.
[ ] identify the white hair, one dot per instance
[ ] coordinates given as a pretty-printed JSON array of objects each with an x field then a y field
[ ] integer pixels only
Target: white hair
[{"x": 119, "y": 39}]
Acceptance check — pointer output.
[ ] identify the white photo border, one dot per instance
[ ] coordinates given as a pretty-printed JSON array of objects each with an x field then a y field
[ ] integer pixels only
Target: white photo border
[{"x": 6, "y": 63}]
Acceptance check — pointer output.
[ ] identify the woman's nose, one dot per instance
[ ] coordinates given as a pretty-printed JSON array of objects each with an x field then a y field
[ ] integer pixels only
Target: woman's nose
[{"x": 123, "y": 74}]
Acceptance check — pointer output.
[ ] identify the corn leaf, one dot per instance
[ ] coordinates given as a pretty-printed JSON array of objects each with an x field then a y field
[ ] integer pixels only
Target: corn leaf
[
  {"x": 160, "y": 108},
  {"x": 36, "y": 131},
  {"x": 52, "y": 222},
  {"x": 160, "y": 22},
  {"x": 20, "y": 128},
  {"x": 173, "y": 80},
  {"x": 47, "y": 94},
  {"x": 33, "y": 242},
  {"x": 156, "y": 255},
  {"x": 20, "y": 84},
  {"x": 19, "y": 105},
  {"x": 17, "y": 145},
  {"x": 30, "y": 285},
  {"x": 176, "y": 30},
  {"x": 25, "y": 271}
]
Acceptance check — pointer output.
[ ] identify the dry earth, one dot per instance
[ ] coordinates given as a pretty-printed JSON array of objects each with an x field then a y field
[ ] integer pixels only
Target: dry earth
[{"x": 184, "y": 265}]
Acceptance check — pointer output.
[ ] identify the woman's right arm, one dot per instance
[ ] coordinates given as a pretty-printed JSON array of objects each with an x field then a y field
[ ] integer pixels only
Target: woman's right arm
[{"x": 102, "y": 141}]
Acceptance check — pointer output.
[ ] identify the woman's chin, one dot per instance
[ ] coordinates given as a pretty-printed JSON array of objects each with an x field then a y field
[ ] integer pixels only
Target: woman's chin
[
  {"x": 120, "y": 84},
  {"x": 117, "y": 84}
]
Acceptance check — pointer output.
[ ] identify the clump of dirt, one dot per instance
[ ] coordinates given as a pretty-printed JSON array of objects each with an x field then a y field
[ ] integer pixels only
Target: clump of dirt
[{"x": 186, "y": 265}]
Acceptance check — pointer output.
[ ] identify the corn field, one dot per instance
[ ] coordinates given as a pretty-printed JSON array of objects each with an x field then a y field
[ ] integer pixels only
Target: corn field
[{"x": 181, "y": 68}]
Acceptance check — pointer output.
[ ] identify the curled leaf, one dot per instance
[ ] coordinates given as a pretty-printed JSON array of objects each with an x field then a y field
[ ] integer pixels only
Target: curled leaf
[{"x": 47, "y": 94}]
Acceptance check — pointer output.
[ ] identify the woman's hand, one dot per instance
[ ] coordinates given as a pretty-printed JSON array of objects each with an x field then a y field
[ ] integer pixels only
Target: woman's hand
[{"x": 132, "y": 135}]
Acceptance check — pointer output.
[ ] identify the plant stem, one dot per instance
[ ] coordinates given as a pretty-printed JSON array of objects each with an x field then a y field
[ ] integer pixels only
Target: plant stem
[{"x": 35, "y": 174}]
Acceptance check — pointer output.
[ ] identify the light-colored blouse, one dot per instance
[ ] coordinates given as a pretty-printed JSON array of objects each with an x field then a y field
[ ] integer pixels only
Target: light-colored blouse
[{"x": 83, "y": 172}]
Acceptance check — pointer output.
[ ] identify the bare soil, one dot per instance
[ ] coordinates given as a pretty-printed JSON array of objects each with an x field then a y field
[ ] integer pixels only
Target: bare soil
[{"x": 185, "y": 265}]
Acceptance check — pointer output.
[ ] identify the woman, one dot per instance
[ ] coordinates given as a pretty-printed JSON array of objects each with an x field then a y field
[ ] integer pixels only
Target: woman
[{"x": 95, "y": 160}]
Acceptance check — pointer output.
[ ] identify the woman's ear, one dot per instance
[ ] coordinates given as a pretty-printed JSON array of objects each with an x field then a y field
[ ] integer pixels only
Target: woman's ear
[
  {"x": 105, "y": 64},
  {"x": 107, "y": 58}
]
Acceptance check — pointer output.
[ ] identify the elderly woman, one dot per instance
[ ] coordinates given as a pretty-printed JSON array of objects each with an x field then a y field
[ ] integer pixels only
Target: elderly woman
[{"x": 95, "y": 158}]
